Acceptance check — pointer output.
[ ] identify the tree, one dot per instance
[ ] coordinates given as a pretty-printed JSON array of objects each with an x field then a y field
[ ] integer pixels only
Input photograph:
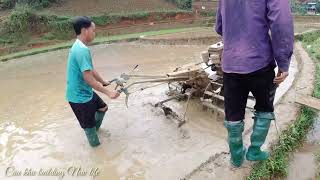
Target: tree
[{"x": 318, "y": 7}]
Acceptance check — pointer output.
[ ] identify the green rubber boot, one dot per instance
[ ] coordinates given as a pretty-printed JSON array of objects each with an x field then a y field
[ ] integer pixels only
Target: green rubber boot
[
  {"x": 99, "y": 118},
  {"x": 260, "y": 130},
  {"x": 235, "y": 142},
  {"x": 92, "y": 136}
]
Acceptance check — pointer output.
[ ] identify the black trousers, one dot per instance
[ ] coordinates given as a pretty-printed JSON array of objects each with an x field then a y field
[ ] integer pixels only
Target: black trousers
[
  {"x": 85, "y": 112},
  {"x": 237, "y": 88}
]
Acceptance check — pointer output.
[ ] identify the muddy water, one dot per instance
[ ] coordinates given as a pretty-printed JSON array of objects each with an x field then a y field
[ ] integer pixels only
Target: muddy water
[
  {"x": 38, "y": 129},
  {"x": 303, "y": 165}
]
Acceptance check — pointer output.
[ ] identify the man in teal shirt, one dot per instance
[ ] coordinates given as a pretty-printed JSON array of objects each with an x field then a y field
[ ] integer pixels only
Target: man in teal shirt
[{"x": 88, "y": 107}]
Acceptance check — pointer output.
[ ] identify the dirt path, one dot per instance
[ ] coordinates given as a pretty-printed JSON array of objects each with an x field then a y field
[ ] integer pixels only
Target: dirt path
[
  {"x": 201, "y": 36},
  {"x": 94, "y": 7}
]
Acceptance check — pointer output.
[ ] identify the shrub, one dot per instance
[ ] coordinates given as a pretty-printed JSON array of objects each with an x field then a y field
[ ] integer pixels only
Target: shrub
[
  {"x": 182, "y": 4},
  {"x": 9, "y": 4}
]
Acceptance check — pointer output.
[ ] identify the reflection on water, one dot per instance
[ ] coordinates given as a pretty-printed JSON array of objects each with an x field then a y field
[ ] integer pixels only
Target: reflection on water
[{"x": 304, "y": 164}]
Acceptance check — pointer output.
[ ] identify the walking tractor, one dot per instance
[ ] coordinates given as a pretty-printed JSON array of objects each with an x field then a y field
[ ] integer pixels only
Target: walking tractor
[{"x": 201, "y": 80}]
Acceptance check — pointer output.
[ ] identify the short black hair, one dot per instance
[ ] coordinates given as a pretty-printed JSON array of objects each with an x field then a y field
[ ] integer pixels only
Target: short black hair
[{"x": 81, "y": 22}]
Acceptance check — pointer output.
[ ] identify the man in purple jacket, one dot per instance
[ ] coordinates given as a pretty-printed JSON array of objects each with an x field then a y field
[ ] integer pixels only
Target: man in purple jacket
[{"x": 249, "y": 58}]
